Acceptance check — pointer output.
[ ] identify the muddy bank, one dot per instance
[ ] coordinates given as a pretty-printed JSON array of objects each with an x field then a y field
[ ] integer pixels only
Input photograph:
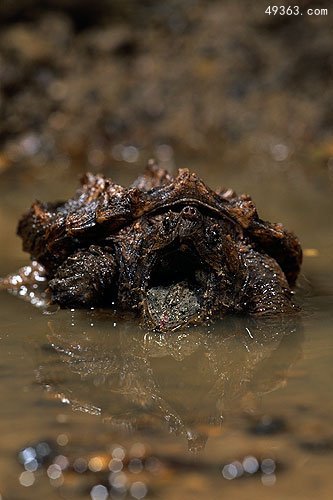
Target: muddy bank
[{"x": 87, "y": 84}]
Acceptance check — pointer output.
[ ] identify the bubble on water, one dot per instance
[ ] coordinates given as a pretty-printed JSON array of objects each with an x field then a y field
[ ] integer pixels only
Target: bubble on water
[
  {"x": 280, "y": 152},
  {"x": 137, "y": 450},
  {"x": 62, "y": 439},
  {"x": 229, "y": 471},
  {"x": 116, "y": 465},
  {"x": 268, "y": 466},
  {"x": 27, "y": 455},
  {"x": 268, "y": 479},
  {"x": 27, "y": 478},
  {"x": 130, "y": 154},
  {"x": 80, "y": 465},
  {"x": 118, "y": 452},
  {"x": 62, "y": 461},
  {"x": 95, "y": 464},
  {"x": 232, "y": 470},
  {"x": 118, "y": 480},
  {"x": 135, "y": 465},
  {"x": 31, "y": 466},
  {"x": 43, "y": 449},
  {"x": 138, "y": 490},
  {"x": 250, "y": 465},
  {"x": 99, "y": 492},
  {"x": 30, "y": 144},
  {"x": 54, "y": 471}
]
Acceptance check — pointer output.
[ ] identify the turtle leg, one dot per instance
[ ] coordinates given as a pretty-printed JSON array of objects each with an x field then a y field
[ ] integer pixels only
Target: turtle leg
[
  {"x": 85, "y": 278},
  {"x": 280, "y": 244},
  {"x": 266, "y": 290}
]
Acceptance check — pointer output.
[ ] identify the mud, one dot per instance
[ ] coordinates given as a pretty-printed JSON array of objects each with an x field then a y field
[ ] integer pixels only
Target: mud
[{"x": 92, "y": 83}]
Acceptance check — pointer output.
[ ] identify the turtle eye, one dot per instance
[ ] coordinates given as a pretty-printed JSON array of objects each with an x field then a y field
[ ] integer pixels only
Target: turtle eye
[{"x": 166, "y": 223}]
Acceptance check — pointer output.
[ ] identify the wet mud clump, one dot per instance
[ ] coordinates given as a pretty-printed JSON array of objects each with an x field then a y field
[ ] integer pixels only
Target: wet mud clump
[{"x": 168, "y": 248}]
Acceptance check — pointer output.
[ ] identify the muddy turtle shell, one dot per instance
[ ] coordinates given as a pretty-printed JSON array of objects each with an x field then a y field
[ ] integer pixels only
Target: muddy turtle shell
[{"x": 100, "y": 208}]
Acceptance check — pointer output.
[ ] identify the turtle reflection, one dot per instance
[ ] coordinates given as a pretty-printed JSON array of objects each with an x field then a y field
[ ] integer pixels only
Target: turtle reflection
[{"x": 189, "y": 382}]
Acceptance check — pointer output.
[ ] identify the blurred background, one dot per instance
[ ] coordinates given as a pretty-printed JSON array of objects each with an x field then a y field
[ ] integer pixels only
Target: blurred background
[{"x": 89, "y": 84}]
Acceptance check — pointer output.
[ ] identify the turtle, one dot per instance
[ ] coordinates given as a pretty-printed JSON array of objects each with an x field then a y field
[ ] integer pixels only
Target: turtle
[{"x": 168, "y": 248}]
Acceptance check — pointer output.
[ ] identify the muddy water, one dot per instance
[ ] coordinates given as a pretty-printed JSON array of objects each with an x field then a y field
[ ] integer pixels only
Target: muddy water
[{"x": 242, "y": 409}]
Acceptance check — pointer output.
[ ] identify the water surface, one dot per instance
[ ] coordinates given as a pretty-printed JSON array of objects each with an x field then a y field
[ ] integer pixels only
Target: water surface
[{"x": 240, "y": 409}]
